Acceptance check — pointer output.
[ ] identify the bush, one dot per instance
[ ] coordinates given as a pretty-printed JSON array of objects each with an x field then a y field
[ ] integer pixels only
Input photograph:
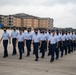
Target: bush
[{"x": 2, "y": 27}]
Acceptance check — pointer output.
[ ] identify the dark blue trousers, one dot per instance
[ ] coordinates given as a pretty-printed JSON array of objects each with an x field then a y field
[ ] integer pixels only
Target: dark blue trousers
[
  {"x": 28, "y": 45},
  {"x": 74, "y": 45},
  {"x": 20, "y": 47},
  {"x": 62, "y": 51},
  {"x": 5, "y": 44},
  {"x": 36, "y": 46},
  {"x": 14, "y": 46},
  {"x": 71, "y": 45},
  {"x": 23, "y": 48},
  {"x": 33, "y": 49},
  {"x": 53, "y": 48},
  {"x": 49, "y": 50},
  {"x": 69, "y": 48},
  {"x": 65, "y": 47},
  {"x": 60, "y": 45},
  {"x": 57, "y": 51},
  {"x": 43, "y": 47}
]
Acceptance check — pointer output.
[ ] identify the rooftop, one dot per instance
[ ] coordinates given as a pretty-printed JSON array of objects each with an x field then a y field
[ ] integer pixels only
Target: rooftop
[{"x": 23, "y": 15}]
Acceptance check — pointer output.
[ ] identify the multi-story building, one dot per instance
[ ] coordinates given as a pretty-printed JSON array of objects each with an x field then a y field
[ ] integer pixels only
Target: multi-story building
[
  {"x": 1, "y": 19},
  {"x": 25, "y": 20},
  {"x": 45, "y": 23}
]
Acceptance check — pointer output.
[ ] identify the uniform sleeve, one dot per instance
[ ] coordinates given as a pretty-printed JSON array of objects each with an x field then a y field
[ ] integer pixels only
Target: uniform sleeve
[
  {"x": 9, "y": 35},
  {"x": 32, "y": 34},
  {"x": 68, "y": 37},
  {"x": 23, "y": 36},
  {"x": 56, "y": 39},
  {"x": 61, "y": 38},
  {"x": 48, "y": 38},
  {"x": 2, "y": 35},
  {"x": 40, "y": 37},
  {"x": 74, "y": 37},
  {"x": 17, "y": 33},
  {"x": 32, "y": 37},
  {"x": 71, "y": 36},
  {"x": 17, "y": 37}
]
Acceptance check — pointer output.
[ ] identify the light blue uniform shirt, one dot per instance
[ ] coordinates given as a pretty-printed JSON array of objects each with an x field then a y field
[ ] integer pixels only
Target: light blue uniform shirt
[
  {"x": 44, "y": 37},
  {"x": 70, "y": 36},
  {"x": 67, "y": 37},
  {"x": 63, "y": 38},
  {"x": 58, "y": 37},
  {"x": 5, "y": 36},
  {"x": 53, "y": 39},
  {"x": 14, "y": 34},
  {"x": 48, "y": 35},
  {"x": 20, "y": 38},
  {"x": 74, "y": 36},
  {"x": 28, "y": 36},
  {"x": 36, "y": 38}
]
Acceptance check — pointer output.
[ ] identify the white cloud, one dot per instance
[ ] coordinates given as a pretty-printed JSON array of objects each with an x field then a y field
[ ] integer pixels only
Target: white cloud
[
  {"x": 64, "y": 14},
  {"x": 35, "y": 2}
]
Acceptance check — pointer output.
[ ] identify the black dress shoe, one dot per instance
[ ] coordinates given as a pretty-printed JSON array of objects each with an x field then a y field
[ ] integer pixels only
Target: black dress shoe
[
  {"x": 4, "y": 56},
  {"x": 42, "y": 57},
  {"x": 69, "y": 52},
  {"x": 48, "y": 54},
  {"x": 61, "y": 56},
  {"x": 65, "y": 53},
  {"x": 33, "y": 53},
  {"x": 56, "y": 58},
  {"x": 20, "y": 58},
  {"x": 13, "y": 54},
  {"x": 40, "y": 51},
  {"x": 23, "y": 52},
  {"x": 51, "y": 61},
  {"x": 36, "y": 60},
  {"x": 27, "y": 55}
]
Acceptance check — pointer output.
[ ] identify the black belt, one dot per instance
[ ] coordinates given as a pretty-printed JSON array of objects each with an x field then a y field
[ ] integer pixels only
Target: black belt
[
  {"x": 13, "y": 38},
  {"x": 5, "y": 40},
  {"x": 28, "y": 40},
  {"x": 36, "y": 42},
  {"x": 44, "y": 41},
  {"x": 20, "y": 41},
  {"x": 52, "y": 44}
]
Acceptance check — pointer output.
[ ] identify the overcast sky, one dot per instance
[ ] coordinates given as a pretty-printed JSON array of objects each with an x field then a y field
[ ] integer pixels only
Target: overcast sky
[{"x": 62, "y": 11}]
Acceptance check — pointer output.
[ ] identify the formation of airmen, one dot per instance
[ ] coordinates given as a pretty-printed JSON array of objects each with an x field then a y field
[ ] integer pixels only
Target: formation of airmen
[{"x": 57, "y": 43}]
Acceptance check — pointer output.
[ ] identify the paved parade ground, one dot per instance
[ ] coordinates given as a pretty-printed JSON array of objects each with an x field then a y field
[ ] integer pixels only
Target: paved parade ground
[{"x": 27, "y": 66}]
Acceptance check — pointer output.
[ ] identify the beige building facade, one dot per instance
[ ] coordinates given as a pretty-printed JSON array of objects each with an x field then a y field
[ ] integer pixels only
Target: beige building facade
[{"x": 24, "y": 20}]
